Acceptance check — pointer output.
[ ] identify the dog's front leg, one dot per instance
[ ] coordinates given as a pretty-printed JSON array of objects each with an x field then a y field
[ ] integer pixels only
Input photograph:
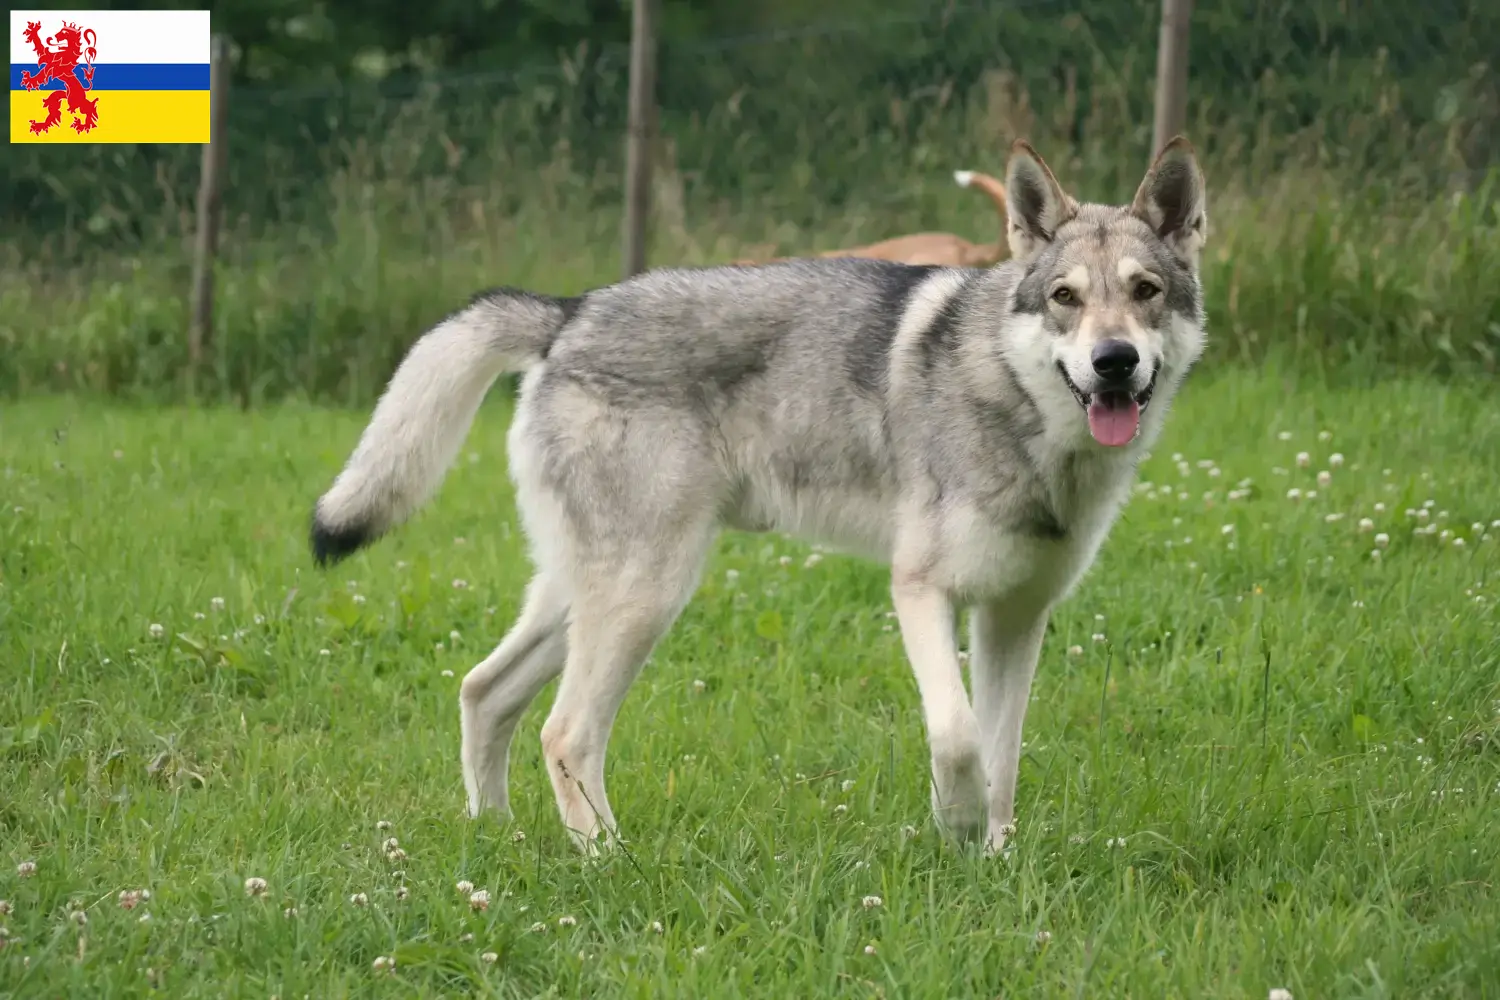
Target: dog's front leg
[
  {"x": 925, "y": 612},
  {"x": 1005, "y": 642}
]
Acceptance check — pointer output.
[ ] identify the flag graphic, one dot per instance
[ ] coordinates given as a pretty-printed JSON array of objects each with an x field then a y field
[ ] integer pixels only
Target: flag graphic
[{"x": 109, "y": 76}]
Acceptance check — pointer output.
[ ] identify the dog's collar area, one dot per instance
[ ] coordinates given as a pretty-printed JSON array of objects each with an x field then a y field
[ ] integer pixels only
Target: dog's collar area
[{"x": 1142, "y": 398}]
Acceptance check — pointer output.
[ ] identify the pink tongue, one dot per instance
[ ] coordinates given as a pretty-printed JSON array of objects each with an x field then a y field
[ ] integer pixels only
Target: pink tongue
[{"x": 1114, "y": 422}]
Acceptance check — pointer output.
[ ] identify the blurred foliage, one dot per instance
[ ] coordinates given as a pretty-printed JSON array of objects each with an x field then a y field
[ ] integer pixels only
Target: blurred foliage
[
  {"x": 386, "y": 161},
  {"x": 749, "y": 92}
]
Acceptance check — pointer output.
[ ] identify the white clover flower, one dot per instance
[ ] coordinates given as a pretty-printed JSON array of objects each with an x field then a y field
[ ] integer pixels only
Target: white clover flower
[
  {"x": 872, "y": 902},
  {"x": 812, "y": 560},
  {"x": 567, "y": 921},
  {"x": 518, "y": 837},
  {"x": 79, "y": 917},
  {"x": 700, "y": 686},
  {"x": 360, "y": 899},
  {"x": 255, "y": 886},
  {"x": 1043, "y": 936},
  {"x": 401, "y": 893},
  {"x": 156, "y": 630},
  {"x": 453, "y": 637},
  {"x": 657, "y": 928},
  {"x": 26, "y": 869},
  {"x": 869, "y": 949},
  {"x": 1303, "y": 459},
  {"x": 846, "y": 785},
  {"x": 216, "y": 603},
  {"x": 1280, "y": 994},
  {"x": 1294, "y": 494},
  {"x": 785, "y": 560},
  {"x": 1227, "y": 529},
  {"x": 489, "y": 958},
  {"x": 479, "y": 900},
  {"x": 538, "y": 928},
  {"x": 1325, "y": 479},
  {"x": 384, "y": 963},
  {"x": 1284, "y": 436},
  {"x": 1075, "y": 650},
  {"x": 1366, "y": 525},
  {"x": 460, "y": 584}
]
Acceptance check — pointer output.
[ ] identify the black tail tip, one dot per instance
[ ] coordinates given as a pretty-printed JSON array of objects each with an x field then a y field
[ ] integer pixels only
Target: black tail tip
[{"x": 331, "y": 545}]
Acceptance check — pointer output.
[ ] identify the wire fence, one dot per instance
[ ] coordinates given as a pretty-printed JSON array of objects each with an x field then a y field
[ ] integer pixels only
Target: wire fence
[{"x": 792, "y": 121}]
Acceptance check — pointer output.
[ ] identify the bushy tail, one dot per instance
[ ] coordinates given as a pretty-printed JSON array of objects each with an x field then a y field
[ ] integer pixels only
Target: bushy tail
[
  {"x": 990, "y": 186},
  {"x": 425, "y": 413}
]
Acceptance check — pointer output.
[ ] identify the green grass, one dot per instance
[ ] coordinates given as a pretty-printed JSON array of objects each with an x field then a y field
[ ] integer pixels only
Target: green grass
[{"x": 1298, "y": 743}]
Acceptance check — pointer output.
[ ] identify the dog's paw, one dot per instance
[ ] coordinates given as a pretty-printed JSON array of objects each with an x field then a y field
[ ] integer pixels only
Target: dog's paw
[{"x": 959, "y": 802}]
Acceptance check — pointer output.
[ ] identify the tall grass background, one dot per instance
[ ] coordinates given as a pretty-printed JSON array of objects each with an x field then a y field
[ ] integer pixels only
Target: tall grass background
[{"x": 1351, "y": 150}]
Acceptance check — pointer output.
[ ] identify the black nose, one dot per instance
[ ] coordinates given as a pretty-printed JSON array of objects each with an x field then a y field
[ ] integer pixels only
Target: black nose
[{"x": 1115, "y": 360}]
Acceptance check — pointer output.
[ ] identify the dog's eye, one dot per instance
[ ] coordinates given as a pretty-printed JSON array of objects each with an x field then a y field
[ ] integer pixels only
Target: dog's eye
[
  {"x": 1064, "y": 297},
  {"x": 1145, "y": 291}
]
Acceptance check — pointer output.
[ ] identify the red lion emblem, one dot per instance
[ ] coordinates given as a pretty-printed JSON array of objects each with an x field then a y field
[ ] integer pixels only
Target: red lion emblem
[{"x": 56, "y": 58}]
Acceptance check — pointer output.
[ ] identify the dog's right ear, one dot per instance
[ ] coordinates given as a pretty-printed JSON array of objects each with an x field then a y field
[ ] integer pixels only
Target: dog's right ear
[{"x": 1035, "y": 204}]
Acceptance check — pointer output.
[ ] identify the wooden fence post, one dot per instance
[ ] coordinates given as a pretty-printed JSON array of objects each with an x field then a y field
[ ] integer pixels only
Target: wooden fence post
[
  {"x": 1171, "y": 72},
  {"x": 638, "y": 141},
  {"x": 210, "y": 185}
]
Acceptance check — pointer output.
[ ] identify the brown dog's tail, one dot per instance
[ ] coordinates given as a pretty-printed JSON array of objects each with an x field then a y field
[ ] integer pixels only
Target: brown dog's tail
[{"x": 992, "y": 187}]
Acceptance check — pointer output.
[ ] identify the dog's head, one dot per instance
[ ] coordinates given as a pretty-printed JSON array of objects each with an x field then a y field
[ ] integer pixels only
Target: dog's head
[{"x": 1114, "y": 290}]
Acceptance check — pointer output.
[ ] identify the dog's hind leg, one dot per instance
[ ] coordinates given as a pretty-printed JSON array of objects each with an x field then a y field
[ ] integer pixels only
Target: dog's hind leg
[
  {"x": 1006, "y": 641},
  {"x": 495, "y": 693},
  {"x": 621, "y": 607}
]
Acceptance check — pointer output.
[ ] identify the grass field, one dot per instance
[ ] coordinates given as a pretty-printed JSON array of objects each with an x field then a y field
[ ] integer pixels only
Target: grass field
[{"x": 1263, "y": 750}]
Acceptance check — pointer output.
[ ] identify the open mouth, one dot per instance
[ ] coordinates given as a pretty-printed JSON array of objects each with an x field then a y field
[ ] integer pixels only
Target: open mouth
[{"x": 1114, "y": 414}]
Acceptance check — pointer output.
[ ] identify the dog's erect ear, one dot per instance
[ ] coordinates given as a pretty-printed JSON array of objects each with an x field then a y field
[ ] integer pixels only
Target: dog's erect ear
[
  {"x": 1035, "y": 205},
  {"x": 1173, "y": 200}
]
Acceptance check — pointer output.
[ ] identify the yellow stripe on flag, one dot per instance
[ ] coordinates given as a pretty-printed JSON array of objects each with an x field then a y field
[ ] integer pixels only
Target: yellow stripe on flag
[{"x": 124, "y": 116}]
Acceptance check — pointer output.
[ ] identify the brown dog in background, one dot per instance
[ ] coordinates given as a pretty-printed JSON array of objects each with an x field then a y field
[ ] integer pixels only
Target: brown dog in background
[{"x": 935, "y": 248}]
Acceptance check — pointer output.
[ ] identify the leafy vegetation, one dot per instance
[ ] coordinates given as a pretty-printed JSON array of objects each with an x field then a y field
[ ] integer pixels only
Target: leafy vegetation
[{"x": 1349, "y": 148}]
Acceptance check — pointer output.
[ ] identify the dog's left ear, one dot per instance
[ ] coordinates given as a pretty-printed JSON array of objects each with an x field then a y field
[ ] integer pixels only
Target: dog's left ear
[
  {"x": 1035, "y": 204},
  {"x": 1173, "y": 200}
]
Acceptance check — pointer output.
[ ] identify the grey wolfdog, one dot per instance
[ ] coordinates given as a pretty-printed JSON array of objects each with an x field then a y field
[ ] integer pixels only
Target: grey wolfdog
[{"x": 976, "y": 429}]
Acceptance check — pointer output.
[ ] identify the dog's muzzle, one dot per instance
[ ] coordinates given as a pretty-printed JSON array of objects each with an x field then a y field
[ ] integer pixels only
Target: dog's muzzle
[{"x": 1113, "y": 408}]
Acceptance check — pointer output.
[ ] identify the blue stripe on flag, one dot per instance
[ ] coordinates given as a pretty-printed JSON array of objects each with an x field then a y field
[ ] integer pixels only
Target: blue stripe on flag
[{"x": 128, "y": 76}]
